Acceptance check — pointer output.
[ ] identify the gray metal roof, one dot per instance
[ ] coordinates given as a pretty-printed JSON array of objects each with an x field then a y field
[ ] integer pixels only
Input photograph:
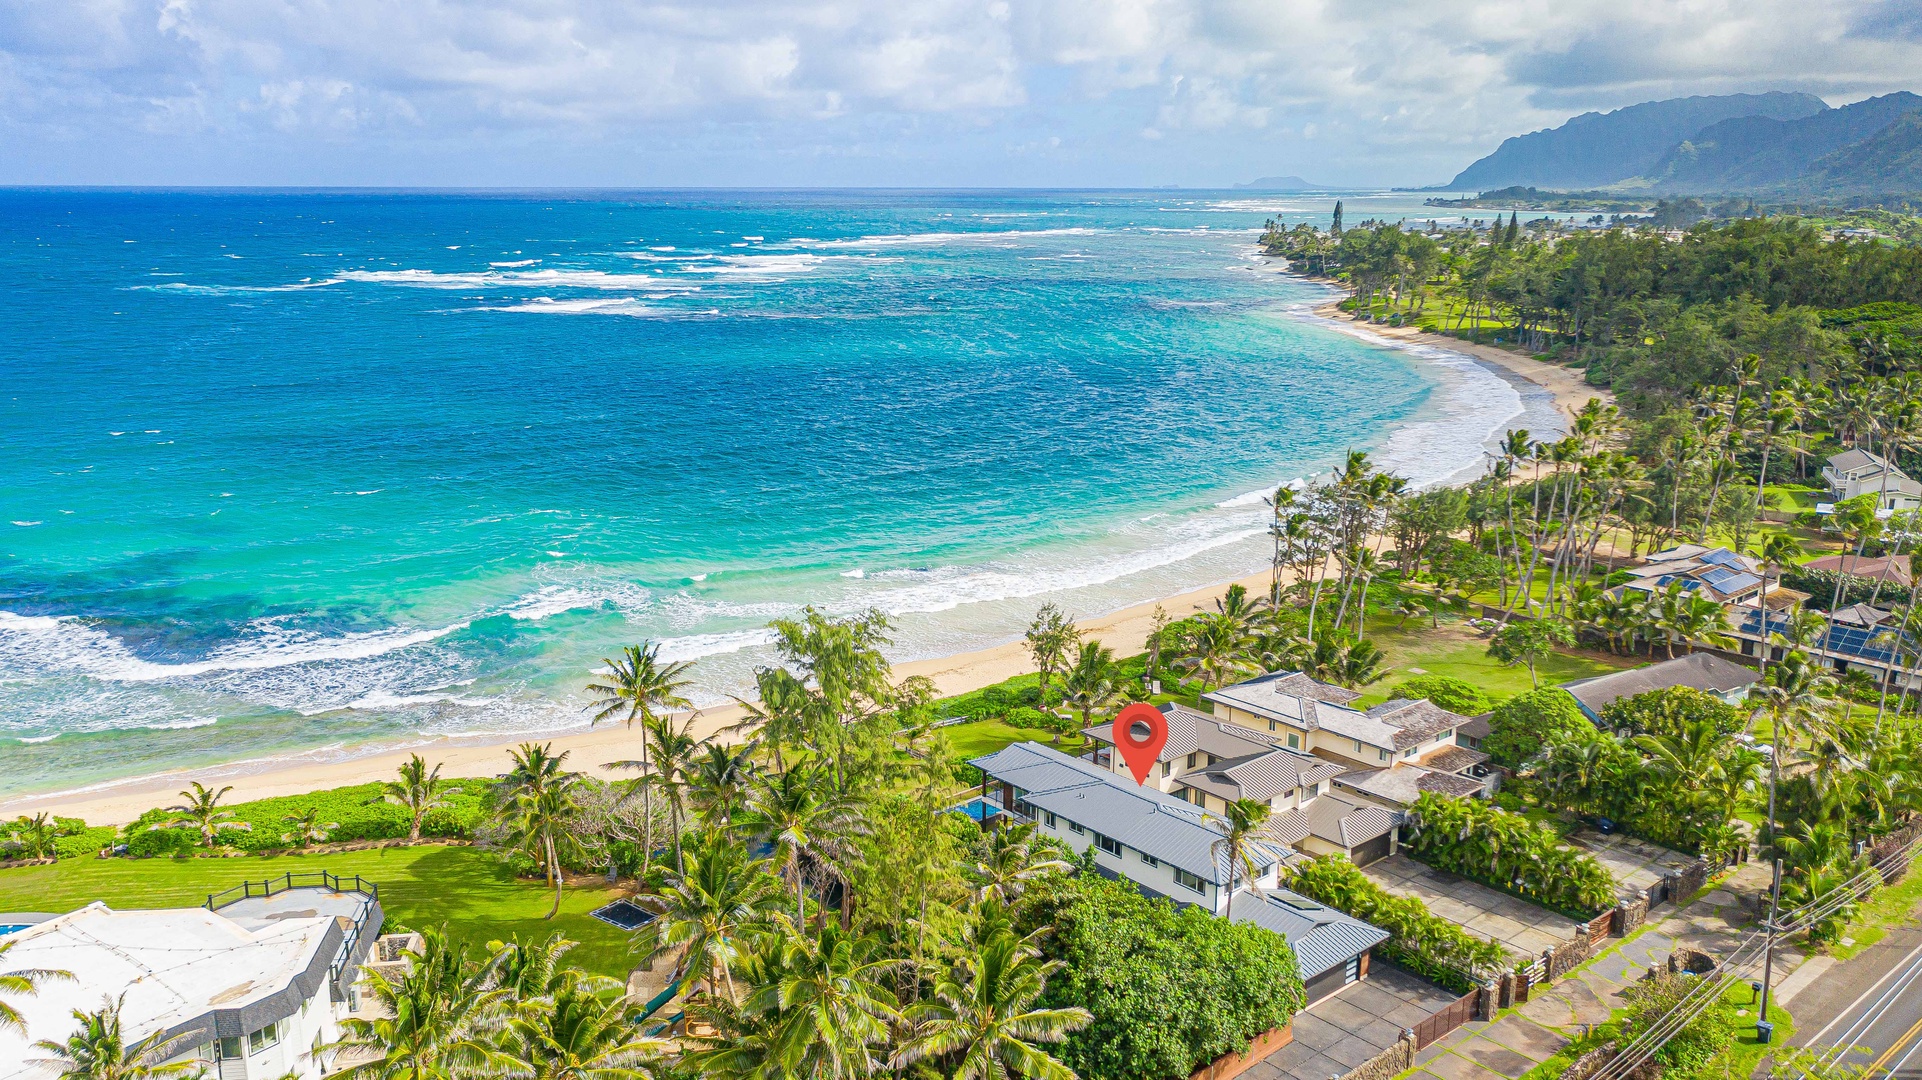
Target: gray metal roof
[
  {"x": 1115, "y": 806},
  {"x": 1333, "y": 818},
  {"x": 1321, "y": 937},
  {"x": 1415, "y": 720},
  {"x": 1703, "y": 671},
  {"x": 1190, "y": 731}
]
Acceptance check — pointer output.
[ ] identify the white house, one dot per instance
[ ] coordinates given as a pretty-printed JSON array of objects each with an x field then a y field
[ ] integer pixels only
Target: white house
[
  {"x": 251, "y": 991},
  {"x": 1166, "y": 848},
  {"x": 1859, "y": 472}
]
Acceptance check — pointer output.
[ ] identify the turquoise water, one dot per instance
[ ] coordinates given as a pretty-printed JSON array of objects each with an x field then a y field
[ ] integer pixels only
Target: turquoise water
[{"x": 297, "y": 473}]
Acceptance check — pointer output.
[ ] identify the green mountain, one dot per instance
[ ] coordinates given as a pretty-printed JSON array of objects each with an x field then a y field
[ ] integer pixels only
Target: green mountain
[
  {"x": 1888, "y": 162},
  {"x": 1598, "y": 149},
  {"x": 1751, "y": 153}
]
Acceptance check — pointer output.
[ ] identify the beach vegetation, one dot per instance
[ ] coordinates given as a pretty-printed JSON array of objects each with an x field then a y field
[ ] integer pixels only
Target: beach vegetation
[{"x": 1423, "y": 942}]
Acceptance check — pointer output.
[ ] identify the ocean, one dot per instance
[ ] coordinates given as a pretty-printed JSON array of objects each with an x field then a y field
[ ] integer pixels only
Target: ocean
[{"x": 297, "y": 474}]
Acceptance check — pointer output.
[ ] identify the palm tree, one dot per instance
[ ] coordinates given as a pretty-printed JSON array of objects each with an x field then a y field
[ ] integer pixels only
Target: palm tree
[
  {"x": 833, "y": 1011},
  {"x": 1050, "y": 637},
  {"x": 580, "y": 1035},
  {"x": 1237, "y": 830},
  {"x": 673, "y": 753},
  {"x": 23, "y": 983},
  {"x": 534, "y": 969},
  {"x": 98, "y": 1049},
  {"x": 710, "y": 910},
  {"x": 418, "y": 789},
  {"x": 1091, "y": 683},
  {"x": 437, "y": 1019},
  {"x": 1012, "y": 861},
  {"x": 638, "y": 687},
  {"x": 1216, "y": 649},
  {"x": 200, "y": 810},
  {"x": 719, "y": 779},
  {"x": 1778, "y": 552},
  {"x": 981, "y": 1014},
  {"x": 539, "y": 811},
  {"x": 808, "y": 824},
  {"x": 308, "y": 829}
]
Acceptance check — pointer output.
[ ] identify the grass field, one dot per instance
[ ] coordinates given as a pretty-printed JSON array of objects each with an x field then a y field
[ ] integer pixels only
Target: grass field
[
  {"x": 987, "y": 736},
  {"x": 1463, "y": 654},
  {"x": 466, "y": 888}
]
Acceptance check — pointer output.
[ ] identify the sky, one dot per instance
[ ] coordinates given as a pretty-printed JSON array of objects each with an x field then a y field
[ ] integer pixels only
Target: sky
[{"x": 915, "y": 93}]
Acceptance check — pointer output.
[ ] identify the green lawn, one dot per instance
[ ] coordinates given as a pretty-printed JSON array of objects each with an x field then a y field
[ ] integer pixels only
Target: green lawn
[
  {"x": 1463, "y": 654},
  {"x": 986, "y": 736},
  {"x": 1892, "y": 906},
  {"x": 466, "y": 888}
]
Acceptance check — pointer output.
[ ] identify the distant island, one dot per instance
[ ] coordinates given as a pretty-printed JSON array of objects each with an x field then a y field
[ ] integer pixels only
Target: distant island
[
  {"x": 1777, "y": 145},
  {"x": 1280, "y": 183}
]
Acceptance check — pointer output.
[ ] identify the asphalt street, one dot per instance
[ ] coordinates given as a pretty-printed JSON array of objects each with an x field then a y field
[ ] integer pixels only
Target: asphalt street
[{"x": 1868, "y": 1011}]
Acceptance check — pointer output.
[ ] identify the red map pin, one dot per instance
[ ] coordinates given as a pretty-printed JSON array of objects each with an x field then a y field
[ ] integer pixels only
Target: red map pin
[{"x": 1140, "y": 753}]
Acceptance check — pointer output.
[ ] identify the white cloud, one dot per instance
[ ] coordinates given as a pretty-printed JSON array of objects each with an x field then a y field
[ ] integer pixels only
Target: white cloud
[{"x": 1404, "y": 89}]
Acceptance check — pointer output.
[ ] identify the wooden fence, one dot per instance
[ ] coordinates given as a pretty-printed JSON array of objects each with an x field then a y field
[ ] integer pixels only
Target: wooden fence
[{"x": 1449, "y": 1017}]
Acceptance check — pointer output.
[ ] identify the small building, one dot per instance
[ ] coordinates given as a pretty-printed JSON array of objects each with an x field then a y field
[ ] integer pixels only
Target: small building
[
  {"x": 1166, "y": 848},
  {"x": 1884, "y": 568},
  {"x": 1702, "y": 671},
  {"x": 1857, "y": 638},
  {"x": 253, "y": 990},
  {"x": 1717, "y": 574},
  {"x": 1858, "y": 472},
  {"x": 1315, "y": 717}
]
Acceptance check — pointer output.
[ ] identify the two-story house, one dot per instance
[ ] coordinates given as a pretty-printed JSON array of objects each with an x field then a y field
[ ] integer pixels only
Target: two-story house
[
  {"x": 1166, "y": 847},
  {"x": 1859, "y": 472}
]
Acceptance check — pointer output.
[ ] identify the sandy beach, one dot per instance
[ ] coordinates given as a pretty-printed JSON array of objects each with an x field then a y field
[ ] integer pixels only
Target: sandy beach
[
  {"x": 1570, "y": 390},
  {"x": 1124, "y": 630}
]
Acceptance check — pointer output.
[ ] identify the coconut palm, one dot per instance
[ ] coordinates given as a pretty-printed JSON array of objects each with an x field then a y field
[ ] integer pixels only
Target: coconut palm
[
  {"x": 1235, "y": 844},
  {"x": 809, "y": 825},
  {"x": 539, "y": 809},
  {"x": 718, "y": 781},
  {"x": 667, "y": 759},
  {"x": 23, "y": 983},
  {"x": 831, "y": 1012},
  {"x": 577, "y": 1034},
  {"x": 1011, "y": 863},
  {"x": 98, "y": 1049},
  {"x": 200, "y": 811},
  {"x": 1778, "y": 552},
  {"x": 981, "y": 1016},
  {"x": 534, "y": 969},
  {"x": 34, "y": 837},
  {"x": 418, "y": 789},
  {"x": 436, "y": 1019},
  {"x": 1092, "y": 683},
  {"x": 1216, "y": 649},
  {"x": 638, "y": 688},
  {"x": 711, "y": 910},
  {"x": 308, "y": 829}
]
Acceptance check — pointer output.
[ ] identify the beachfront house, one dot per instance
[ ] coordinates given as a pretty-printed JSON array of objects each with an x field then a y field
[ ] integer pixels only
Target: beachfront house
[
  {"x": 1702, "y": 671},
  {"x": 252, "y": 991},
  {"x": 1859, "y": 472},
  {"x": 1716, "y": 574},
  {"x": 1210, "y": 763},
  {"x": 1855, "y": 638},
  {"x": 1167, "y": 848}
]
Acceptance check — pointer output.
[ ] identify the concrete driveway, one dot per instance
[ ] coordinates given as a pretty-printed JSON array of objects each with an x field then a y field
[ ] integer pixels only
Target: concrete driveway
[
  {"x": 1525, "y": 929},
  {"x": 1352, "y": 1025},
  {"x": 1635, "y": 864}
]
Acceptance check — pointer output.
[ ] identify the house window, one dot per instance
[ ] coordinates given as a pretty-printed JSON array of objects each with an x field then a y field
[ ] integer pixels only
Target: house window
[
  {"x": 1383, "y": 754},
  {"x": 1273, "y": 726},
  {"x": 1410, "y": 752},
  {"x": 1189, "y": 881},
  {"x": 1108, "y": 844},
  {"x": 232, "y": 1047},
  {"x": 1192, "y": 758},
  {"x": 1075, "y": 827},
  {"x": 1357, "y": 743},
  {"x": 1167, "y": 768},
  {"x": 1264, "y": 870},
  {"x": 1051, "y": 821},
  {"x": 1150, "y": 859},
  {"x": 266, "y": 1037},
  {"x": 1294, "y": 742}
]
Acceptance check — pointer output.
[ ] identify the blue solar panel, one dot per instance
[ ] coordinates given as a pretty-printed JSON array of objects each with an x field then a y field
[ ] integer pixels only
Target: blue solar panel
[
  {"x": 1718, "y": 576},
  {"x": 1723, "y": 557}
]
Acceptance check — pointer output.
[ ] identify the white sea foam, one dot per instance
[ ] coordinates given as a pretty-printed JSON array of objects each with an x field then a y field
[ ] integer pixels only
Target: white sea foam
[
  {"x": 183, "y": 725},
  {"x": 33, "y": 739},
  {"x": 516, "y": 279},
  {"x": 232, "y": 290},
  {"x": 612, "y": 305},
  {"x": 516, "y": 262},
  {"x": 937, "y": 238}
]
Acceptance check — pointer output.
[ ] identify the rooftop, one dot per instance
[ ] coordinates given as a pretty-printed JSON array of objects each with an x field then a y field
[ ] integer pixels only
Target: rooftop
[
  {"x": 1321, "y": 937},
  {"x": 1402, "y": 783},
  {"x": 1190, "y": 731},
  {"x": 1294, "y": 698},
  {"x": 1333, "y": 818},
  {"x": 1702, "y": 671},
  {"x": 1873, "y": 567},
  {"x": 1140, "y": 817},
  {"x": 177, "y": 966}
]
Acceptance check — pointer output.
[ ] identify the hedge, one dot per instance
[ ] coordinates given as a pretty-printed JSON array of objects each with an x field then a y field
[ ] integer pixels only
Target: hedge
[
  {"x": 1506, "y": 851},
  {"x": 360, "y": 812},
  {"x": 1820, "y": 585},
  {"x": 1424, "y": 943}
]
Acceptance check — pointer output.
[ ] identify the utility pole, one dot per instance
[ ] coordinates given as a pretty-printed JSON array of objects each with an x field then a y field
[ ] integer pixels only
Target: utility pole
[{"x": 1764, "y": 1030}]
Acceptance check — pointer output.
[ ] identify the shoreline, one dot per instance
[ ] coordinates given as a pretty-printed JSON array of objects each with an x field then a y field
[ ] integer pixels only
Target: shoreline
[
  {"x": 1566, "y": 386},
  {"x": 118, "y": 802},
  {"x": 1124, "y": 629}
]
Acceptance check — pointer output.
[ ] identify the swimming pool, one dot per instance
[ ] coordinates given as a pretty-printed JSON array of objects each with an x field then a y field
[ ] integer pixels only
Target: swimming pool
[
  {"x": 978, "y": 809},
  {"x": 9, "y": 928}
]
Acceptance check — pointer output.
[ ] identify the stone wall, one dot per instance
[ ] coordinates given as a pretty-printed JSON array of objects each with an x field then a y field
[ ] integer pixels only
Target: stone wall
[
  {"x": 1629, "y": 914},
  {"x": 1591, "y": 1063},
  {"x": 1393, "y": 1061},
  {"x": 1888, "y": 845},
  {"x": 1567, "y": 955}
]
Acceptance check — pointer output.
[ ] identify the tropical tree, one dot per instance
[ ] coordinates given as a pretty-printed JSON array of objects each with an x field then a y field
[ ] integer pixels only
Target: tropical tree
[
  {"x": 98, "y": 1049},
  {"x": 1216, "y": 648},
  {"x": 811, "y": 827},
  {"x": 418, "y": 789},
  {"x": 577, "y": 1034},
  {"x": 200, "y": 811},
  {"x": 710, "y": 911},
  {"x": 1092, "y": 683},
  {"x": 638, "y": 688},
  {"x": 1050, "y": 638},
  {"x": 1527, "y": 643},
  {"x": 539, "y": 811},
  {"x": 22, "y": 983},
  {"x": 1012, "y": 861},
  {"x": 438, "y": 1018},
  {"x": 719, "y": 779},
  {"x": 980, "y": 1020},
  {"x": 1235, "y": 844},
  {"x": 308, "y": 829},
  {"x": 830, "y": 1011},
  {"x": 670, "y": 753}
]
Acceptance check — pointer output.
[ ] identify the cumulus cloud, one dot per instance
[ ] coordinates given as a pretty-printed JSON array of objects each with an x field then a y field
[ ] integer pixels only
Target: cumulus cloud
[{"x": 1396, "y": 91}]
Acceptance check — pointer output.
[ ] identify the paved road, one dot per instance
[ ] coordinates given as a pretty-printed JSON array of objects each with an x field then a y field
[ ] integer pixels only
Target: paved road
[{"x": 1868, "y": 1011}]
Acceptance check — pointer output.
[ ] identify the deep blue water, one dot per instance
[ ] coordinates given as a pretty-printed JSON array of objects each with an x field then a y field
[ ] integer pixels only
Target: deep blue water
[{"x": 300, "y": 471}]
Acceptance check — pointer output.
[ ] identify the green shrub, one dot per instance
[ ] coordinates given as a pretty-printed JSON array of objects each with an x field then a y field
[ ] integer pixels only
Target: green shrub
[
  {"x": 1025, "y": 717},
  {"x": 1455, "y": 695},
  {"x": 1424, "y": 943},
  {"x": 1170, "y": 990},
  {"x": 1670, "y": 711},
  {"x": 1521, "y": 725},
  {"x": 147, "y": 843},
  {"x": 360, "y": 812},
  {"x": 1485, "y": 843},
  {"x": 86, "y": 842}
]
